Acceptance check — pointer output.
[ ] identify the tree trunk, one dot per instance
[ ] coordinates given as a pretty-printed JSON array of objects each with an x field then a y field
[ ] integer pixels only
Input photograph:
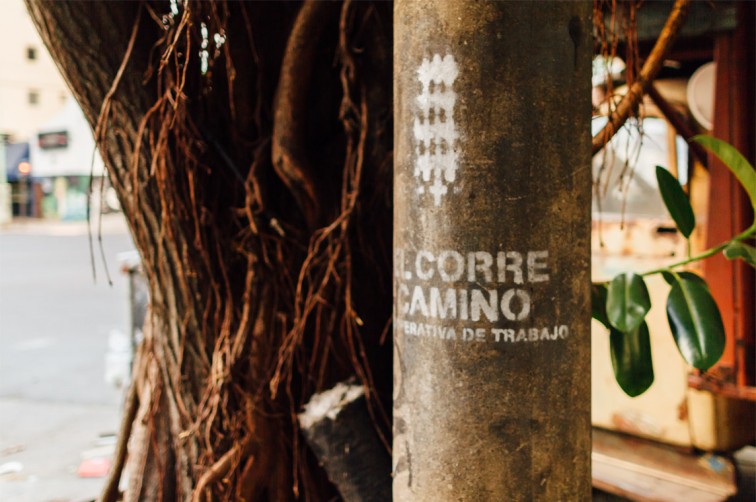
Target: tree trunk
[{"x": 250, "y": 145}]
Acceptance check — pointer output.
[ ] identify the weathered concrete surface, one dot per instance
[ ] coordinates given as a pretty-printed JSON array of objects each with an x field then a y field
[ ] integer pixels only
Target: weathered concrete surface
[{"x": 492, "y": 225}]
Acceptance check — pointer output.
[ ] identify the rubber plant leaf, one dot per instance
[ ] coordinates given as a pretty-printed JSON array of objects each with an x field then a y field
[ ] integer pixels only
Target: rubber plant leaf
[
  {"x": 671, "y": 279},
  {"x": 631, "y": 360},
  {"x": 741, "y": 250},
  {"x": 734, "y": 161},
  {"x": 676, "y": 201},
  {"x": 627, "y": 302},
  {"x": 696, "y": 323},
  {"x": 598, "y": 304}
]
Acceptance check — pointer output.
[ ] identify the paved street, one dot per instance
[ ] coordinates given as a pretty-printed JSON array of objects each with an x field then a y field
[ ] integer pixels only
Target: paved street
[{"x": 55, "y": 407}]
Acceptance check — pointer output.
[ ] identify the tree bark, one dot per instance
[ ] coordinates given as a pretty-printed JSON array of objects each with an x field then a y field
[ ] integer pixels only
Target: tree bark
[{"x": 255, "y": 305}]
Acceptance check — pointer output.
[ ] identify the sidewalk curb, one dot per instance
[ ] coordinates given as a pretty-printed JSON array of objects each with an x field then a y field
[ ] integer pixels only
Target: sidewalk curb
[{"x": 112, "y": 224}]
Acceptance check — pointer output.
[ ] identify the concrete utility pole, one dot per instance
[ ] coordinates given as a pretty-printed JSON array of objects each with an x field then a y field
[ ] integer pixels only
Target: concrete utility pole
[{"x": 492, "y": 250}]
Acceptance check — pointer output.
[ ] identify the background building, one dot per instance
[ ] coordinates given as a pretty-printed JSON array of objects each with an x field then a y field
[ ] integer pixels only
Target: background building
[
  {"x": 31, "y": 88},
  {"x": 47, "y": 153},
  {"x": 63, "y": 159}
]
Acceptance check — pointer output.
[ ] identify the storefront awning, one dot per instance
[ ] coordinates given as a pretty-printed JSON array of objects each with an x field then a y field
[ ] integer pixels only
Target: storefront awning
[{"x": 15, "y": 153}]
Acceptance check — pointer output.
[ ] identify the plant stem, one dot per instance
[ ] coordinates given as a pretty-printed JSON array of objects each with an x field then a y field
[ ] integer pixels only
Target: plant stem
[{"x": 706, "y": 254}]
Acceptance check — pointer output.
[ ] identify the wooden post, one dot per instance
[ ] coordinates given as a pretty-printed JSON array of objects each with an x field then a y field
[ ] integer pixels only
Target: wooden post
[{"x": 492, "y": 250}]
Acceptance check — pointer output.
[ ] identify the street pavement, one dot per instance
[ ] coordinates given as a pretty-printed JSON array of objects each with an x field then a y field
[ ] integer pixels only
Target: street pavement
[{"x": 56, "y": 410}]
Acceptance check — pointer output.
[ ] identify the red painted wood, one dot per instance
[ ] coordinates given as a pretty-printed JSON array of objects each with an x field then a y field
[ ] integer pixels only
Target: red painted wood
[{"x": 732, "y": 283}]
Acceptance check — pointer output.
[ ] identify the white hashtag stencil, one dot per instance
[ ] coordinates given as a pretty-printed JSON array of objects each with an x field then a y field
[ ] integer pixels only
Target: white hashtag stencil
[{"x": 435, "y": 133}]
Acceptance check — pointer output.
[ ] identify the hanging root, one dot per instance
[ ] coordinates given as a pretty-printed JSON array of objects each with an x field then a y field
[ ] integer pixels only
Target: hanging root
[
  {"x": 647, "y": 74},
  {"x": 220, "y": 468},
  {"x": 131, "y": 405},
  {"x": 291, "y": 107}
]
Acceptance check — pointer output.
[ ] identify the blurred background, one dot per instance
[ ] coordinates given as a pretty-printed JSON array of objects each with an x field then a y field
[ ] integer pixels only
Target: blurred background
[{"x": 65, "y": 338}]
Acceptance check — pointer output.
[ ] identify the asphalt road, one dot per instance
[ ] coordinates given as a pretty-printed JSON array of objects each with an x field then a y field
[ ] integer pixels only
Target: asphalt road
[{"x": 54, "y": 326}]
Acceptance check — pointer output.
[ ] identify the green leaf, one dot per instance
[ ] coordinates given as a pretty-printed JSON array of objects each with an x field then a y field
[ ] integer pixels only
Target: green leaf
[
  {"x": 598, "y": 304},
  {"x": 671, "y": 279},
  {"x": 741, "y": 250},
  {"x": 627, "y": 302},
  {"x": 631, "y": 360},
  {"x": 676, "y": 201},
  {"x": 733, "y": 159},
  {"x": 696, "y": 323}
]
